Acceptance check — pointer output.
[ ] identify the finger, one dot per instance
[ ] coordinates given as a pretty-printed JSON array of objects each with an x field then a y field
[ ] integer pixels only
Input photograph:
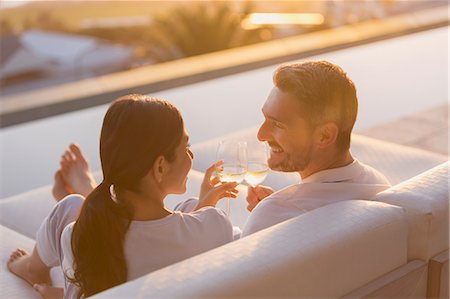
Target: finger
[
  {"x": 224, "y": 189},
  {"x": 214, "y": 181},
  {"x": 230, "y": 194},
  {"x": 261, "y": 192},
  {"x": 212, "y": 168},
  {"x": 250, "y": 207},
  {"x": 267, "y": 191},
  {"x": 228, "y": 186},
  {"x": 40, "y": 288}
]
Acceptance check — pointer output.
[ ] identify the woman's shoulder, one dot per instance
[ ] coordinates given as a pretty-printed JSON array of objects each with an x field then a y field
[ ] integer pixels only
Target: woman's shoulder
[
  {"x": 67, "y": 234},
  {"x": 211, "y": 224},
  {"x": 205, "y": 214},
  {"x": 207, "y": 219}
]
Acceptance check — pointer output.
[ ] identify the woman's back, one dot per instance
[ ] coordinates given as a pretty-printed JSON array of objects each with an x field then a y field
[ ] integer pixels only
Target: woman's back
[{"x": 152, "y": 245}]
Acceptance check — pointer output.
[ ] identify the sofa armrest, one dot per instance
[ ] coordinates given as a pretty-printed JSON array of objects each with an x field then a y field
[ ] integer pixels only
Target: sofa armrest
[
  {"x": 438, "y": 273},
  {"x": 426, "y": 201},
  {"x": 408, "y": 281},
  {"x": 327, "y": 252}
]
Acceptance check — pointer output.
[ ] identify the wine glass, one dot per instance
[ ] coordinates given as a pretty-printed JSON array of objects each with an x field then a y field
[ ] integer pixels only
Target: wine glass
[
  {"x": 233, "y": 153},
  {"x": 257, "y": 167}
]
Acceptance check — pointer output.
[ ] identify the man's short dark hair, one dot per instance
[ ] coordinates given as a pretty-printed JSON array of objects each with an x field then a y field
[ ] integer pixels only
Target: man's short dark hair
[{"x": 325, "y": 93}]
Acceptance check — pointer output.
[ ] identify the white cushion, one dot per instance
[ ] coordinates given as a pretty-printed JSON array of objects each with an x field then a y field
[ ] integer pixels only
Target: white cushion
[
  {"x": 25, "y": 212},
  {"x": 397, "y": 162},
  {"x": 324, "y": 253},
  {"x": 12, "y": 286},
  {"x": 426, "y": 200}
]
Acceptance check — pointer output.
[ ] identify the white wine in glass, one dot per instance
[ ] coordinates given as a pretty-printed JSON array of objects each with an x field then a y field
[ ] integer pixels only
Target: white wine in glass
[
  {"x": 257, "y": 168},
  {"x": 234, "y": 156},
  {"x": 232, "y": 173}
]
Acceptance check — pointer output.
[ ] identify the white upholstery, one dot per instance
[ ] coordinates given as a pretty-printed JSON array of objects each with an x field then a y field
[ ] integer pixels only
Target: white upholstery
[
  {"x": 25, "y": 212},
  {"x": 426, "y": 200},
  {"x": 396, "y": 162},
  {"x": 12, "y": 286},
  {"x": 327, "y": 252},
  {"x": 324, "y": 253}
]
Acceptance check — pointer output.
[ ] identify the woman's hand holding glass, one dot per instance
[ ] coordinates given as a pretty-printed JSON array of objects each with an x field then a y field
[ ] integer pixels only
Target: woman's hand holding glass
[
  {"x": 233, "y": 153},
  {"x": 212, "y": 190}
]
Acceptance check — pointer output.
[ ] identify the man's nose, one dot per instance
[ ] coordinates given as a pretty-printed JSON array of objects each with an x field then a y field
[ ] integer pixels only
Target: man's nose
[{"x": 263, "y": 132}]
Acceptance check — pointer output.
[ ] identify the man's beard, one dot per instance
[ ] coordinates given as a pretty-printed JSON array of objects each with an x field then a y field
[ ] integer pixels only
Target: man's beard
[{"x": 292, "y": 164}]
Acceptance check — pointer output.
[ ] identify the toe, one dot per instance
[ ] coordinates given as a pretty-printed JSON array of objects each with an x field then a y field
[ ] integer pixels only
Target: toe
[
  {"x": 68, "y": 156},
  {"x": 76, "y": 150}
]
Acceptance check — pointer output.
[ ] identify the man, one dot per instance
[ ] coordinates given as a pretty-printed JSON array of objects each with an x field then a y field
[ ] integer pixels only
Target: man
[{"x": 309, "y": 117}]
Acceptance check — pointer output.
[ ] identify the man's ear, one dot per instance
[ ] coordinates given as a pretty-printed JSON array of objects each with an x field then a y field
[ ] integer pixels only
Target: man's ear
[
  {"x": 326, "y": 134},
  {"x": 159, "y": 168}
]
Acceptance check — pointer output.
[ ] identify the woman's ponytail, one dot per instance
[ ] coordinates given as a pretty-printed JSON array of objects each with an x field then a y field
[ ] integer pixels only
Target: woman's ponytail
[{"x": 98, "y": 242}]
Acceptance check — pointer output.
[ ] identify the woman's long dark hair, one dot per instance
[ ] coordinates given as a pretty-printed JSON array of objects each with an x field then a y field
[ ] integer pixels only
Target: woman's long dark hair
[{"x": 136, "y": 130}]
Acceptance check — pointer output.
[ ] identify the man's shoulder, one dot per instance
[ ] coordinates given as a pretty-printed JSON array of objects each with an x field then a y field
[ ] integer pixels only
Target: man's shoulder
[{"x": 370, "y": 175}]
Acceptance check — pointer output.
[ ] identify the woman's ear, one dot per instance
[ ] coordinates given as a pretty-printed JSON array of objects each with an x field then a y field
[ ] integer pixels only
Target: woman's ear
[
  {"x": 326, "y": 134},
  {"x": 159, "y": 168}
]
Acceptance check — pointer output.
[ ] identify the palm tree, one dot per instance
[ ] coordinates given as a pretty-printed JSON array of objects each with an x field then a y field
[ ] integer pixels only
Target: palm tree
[{"x": 201, "y": 28}]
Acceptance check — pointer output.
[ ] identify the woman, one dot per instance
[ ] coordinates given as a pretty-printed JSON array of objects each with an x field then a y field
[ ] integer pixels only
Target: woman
[{"x": 123, "y": 229}]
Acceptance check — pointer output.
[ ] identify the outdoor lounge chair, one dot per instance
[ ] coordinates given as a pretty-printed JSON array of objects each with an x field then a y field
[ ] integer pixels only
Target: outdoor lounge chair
[{"x": 395, "y": 245}]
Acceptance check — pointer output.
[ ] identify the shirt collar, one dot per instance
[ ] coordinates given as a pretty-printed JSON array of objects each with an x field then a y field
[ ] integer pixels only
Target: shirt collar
[{"x": 335, "y": 175}]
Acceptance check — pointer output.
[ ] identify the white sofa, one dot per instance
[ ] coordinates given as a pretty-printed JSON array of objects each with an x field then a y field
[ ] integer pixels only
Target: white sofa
[{"x": 353, "y": 249}]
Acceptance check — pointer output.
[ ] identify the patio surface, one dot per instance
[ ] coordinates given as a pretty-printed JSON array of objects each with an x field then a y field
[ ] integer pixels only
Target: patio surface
[{"x": 427, "y": 130}]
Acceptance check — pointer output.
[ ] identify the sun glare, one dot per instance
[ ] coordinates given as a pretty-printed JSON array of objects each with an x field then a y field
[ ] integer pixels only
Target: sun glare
[{"x": 255, "y": 20}]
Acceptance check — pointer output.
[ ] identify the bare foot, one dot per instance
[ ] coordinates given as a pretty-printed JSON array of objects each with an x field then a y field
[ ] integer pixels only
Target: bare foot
[
  {"x": 76, "y": 172},
  {"x": 49, "y": 292},
  {"x": 19, "y": 264},
  {"x": 60, "y": 188}
]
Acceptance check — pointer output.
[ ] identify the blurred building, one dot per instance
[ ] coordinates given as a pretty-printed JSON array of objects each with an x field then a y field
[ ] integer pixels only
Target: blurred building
[
  {"x": 55, "y": 57},
  {"x": 17, "y": 60},
  {"x": 74, "y": 53}
]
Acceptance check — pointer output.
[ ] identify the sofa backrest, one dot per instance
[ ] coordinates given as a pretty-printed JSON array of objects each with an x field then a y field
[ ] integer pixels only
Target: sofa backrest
[
  {"x": 426, "y": 201},
  {"x": 25, "y": 212},
  {"x": 396, "y": 162},
  {"x": 323, "y": 253}
]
